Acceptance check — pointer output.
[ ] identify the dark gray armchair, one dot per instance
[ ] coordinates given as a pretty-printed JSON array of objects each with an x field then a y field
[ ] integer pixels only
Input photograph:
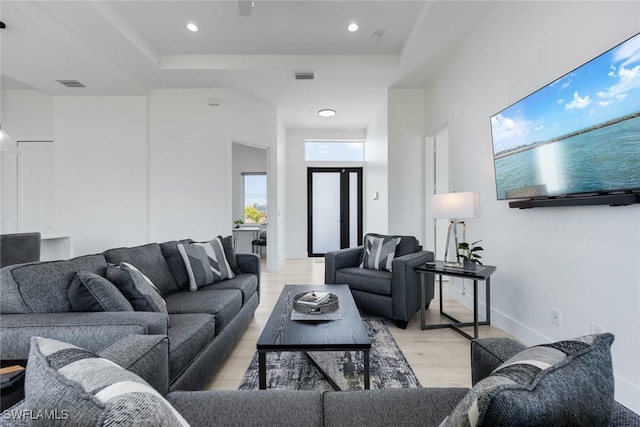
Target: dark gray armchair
[
  {"x": 392, "y": 294},
  {"x": 19, "y": 248}
]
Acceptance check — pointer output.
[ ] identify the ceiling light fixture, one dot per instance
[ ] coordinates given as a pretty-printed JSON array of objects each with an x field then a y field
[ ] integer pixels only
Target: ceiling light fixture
[
  {"x": 352, "y": 27},
  {"x": 326, "y": 113},
  {"x": 192, "y": 27}
]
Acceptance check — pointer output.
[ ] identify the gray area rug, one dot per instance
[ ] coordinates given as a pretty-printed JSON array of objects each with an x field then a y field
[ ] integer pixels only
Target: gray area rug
[{"x": 293, "y": 371}]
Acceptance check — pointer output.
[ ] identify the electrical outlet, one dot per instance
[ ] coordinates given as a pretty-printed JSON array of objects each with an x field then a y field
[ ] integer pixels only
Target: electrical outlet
[
  {"x": 556, "y": 317},
  {"x": 596, "y": 328}
]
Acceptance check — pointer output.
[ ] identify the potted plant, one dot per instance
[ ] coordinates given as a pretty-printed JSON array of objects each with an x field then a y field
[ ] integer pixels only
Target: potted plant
[
  {"x": 237, "y": 222},
  {"x": 469, "y": 253}
]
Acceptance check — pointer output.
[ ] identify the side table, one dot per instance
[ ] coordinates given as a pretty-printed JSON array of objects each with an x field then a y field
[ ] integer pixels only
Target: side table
[{"x": 480, "y": 273}]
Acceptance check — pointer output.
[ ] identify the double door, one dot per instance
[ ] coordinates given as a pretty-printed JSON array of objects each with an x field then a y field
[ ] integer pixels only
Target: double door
[{"x": 334, "y": 201}]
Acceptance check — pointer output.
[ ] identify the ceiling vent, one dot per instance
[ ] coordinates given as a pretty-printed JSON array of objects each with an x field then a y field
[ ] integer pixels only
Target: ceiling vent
[
  {"x": 71, "y": 83},
  {"x": 305, "y": 76}
]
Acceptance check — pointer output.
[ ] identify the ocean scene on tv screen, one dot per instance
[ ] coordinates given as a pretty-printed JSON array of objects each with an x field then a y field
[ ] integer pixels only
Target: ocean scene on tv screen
[{"x": 579, "y": 134}]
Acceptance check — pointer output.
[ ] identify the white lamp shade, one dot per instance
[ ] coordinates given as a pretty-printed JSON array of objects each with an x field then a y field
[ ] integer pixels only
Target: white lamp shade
[{"x": 455, "y": 205}]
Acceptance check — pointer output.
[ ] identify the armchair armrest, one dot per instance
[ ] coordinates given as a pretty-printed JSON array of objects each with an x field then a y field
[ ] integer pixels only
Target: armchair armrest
[
  {"x": 145, "y": 355},
  {"x": 92, "y": 331},
  {"x": 336, "y": 260},
  {"x": 405, "y": 283},
  {"x": 489, "y": 353}
]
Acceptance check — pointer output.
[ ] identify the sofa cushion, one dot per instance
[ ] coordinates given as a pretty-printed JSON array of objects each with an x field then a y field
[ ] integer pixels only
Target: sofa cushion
[
  {"x": 225, "y": 304},
  {"x": 205, "y": 263},
  {"x": 175, "y": 263},
  {"x": 90, "y": 292},
  {"x": 247, "y": 283},
  {"x": 378, "y": 252},
  {"x": 84, "y": 389},
  {"x": 150, "y": 261},
  {"x": 563, "y": 383},
  {"x": 43, "y": 286},
  {"x": 137, "y": 288},
  {"x": 188, "y": 336},
  {"x": 407, "y": 245},
  {"x": 376, "y": 281},
  {"x": 230, "y": 253}
]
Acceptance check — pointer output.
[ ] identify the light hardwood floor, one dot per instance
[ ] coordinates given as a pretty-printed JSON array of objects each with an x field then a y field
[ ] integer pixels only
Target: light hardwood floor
[{"x": 439, "y": 357}]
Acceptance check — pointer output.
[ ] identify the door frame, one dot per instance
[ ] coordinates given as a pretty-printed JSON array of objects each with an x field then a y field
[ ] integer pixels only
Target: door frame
[{"x": 344, "y": 205}]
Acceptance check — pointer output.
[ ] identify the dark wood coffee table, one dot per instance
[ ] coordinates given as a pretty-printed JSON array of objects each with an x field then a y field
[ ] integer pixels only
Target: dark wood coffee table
[{"x": 283, "y": 334}]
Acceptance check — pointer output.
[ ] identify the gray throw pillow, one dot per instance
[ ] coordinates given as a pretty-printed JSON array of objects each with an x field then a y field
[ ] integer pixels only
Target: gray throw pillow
[
  {"x": 230, "y": 253},
  {"x": 91, "y": 292},
  {"x": 378, "y": 252},
  {"x": 137, "y": 288},
  {"x": 72, "y": 386},
  {"x": 206, "y": 263},
  {"x": 568, "y": 383}
]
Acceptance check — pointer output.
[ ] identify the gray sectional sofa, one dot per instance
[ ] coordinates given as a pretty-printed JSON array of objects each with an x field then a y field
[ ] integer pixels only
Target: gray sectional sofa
[
  {"x": 576, "y": 391},
  {"x": 202, "y": 325}
]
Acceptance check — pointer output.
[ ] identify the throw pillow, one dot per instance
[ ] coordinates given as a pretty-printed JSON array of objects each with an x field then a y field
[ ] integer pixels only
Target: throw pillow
[
  {"x": 91, "y": 292},
  {"x": 230, "y": 253},
  {"x": 206, "y": 263},
  {"x": 379, "y": 252},
  {"x": 72, "y": 386},
  {"x": 567, "y": 383},
  {"x": 137, "y": 288}
]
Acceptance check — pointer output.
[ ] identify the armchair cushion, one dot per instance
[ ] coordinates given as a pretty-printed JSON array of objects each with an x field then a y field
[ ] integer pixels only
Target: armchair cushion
[
  {"x": 563, "y": 383},
  {"x": 379, "y": 252},
  {"x": 376, "y": 281}
]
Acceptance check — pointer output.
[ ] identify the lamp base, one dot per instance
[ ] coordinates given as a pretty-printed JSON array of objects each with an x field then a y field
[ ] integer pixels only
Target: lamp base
[{"x": 452, "y": 264}]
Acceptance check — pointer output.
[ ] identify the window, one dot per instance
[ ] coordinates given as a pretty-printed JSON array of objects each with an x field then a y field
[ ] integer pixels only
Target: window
[
  {"x": 334, "y": 151},
  {"x": 255, "y": 197}
]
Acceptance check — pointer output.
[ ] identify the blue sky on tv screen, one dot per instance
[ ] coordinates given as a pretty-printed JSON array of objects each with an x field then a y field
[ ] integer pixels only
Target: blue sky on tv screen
[{"x": 602, "y": 89}]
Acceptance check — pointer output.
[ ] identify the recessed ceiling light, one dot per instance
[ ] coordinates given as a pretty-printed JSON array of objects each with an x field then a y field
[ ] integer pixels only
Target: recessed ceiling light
[
  {"x": 353, "y": 27},
  {"x": 326, "y": 113},
  {"x": 192, "y": 27}
]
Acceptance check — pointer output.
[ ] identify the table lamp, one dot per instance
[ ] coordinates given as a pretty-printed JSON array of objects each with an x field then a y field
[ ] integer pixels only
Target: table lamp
[{"x": 455, "y": 207}]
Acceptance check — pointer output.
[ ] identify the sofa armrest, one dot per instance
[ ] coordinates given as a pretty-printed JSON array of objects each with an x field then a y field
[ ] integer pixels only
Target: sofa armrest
[
  {"x": 91, "y": 331},
  {"x": 405, "y": 284},
  {"x": 489, "y": 353},
  {"x": 145, "y": 355},
  {"x": 336, "y": 260}
]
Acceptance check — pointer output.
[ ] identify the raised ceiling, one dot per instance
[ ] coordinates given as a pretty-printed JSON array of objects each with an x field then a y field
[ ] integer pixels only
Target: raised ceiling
[{"x": 129, "y": 47}]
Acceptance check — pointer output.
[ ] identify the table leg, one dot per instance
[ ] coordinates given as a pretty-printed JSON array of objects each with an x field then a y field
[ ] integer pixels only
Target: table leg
[
  {"x": 262, "y": 370},
  {"x": 488, "y": 300},
  {"x": 475, "y": 309},
  {"x": 440, "y": 286},
  {"x": 422, "y": 302},
  {"x": 367, "y": 382}
]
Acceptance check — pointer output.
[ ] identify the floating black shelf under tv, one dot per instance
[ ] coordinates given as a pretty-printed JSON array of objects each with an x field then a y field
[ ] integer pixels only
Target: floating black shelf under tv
[{"x": 600, "y": 199}]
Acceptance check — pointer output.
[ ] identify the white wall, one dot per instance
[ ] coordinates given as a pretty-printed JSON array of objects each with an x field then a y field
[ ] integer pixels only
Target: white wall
[
  {"x": 281, "y": 189},
  {"x": 296, "y": 188},
  {"x": 581, "y": 260},
  {"x": 406, "y": 162},
  {"x": 100, "y": 171},
  {"x": 27, "y": 115},
  {"x": 376, "y": 219}
]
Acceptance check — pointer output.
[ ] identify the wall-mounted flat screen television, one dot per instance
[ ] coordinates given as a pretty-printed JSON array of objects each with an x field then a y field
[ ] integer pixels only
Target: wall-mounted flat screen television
[{"x": 579, "y": 135}]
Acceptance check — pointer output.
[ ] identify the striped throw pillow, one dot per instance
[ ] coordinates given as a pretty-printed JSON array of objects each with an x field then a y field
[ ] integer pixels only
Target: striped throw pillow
[
  {"x": 73, "y": 386},
  {"x": 205, "y": 263},
  {"x": 379, "y": 252},
  {"x": 568, "y": 383}
]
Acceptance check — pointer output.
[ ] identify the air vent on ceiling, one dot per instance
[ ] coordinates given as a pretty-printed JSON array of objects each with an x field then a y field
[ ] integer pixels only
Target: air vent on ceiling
[
  {"x": 305, "y": 76},
  {"x": 71, "y": 83}
]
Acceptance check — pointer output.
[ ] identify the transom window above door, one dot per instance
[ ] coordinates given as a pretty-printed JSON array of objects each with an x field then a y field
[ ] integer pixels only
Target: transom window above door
[{"x": 334, "y": 151}]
